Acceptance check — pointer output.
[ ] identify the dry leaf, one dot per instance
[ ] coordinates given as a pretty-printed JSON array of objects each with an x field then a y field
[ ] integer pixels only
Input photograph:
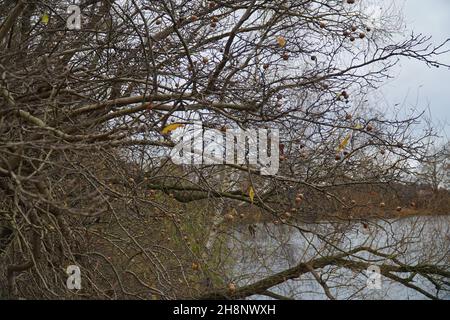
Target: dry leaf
[
  {"x": 281, "y": 41},
  {"x": 344, "y": 142},
  {"x": 45, "y": 18},
  {"x": 169, "y": 128},
  {"x": 251, "y": 194}
]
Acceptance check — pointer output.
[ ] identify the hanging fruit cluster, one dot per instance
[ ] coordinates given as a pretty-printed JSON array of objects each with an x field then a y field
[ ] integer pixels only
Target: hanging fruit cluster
[{"x": 353, "y": 33}]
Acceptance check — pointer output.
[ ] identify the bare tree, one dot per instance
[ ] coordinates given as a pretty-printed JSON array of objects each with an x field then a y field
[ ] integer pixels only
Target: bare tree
[
  {"x": 435, "y": 171},
  {"x": 85, "y": 178}
]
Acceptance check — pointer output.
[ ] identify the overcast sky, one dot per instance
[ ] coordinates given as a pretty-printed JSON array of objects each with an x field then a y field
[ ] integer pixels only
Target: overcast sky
[{"x": 415, "y": 83}]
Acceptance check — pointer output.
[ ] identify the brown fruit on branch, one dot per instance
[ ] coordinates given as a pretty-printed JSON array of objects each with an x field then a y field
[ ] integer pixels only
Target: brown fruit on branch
[
  {"x": 345, "y": 94},
  {"x": 229, "y": 217}
]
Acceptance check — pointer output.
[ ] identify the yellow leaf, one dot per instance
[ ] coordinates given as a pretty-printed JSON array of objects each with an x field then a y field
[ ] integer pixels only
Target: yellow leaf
[
  {"x": 358, "y": 126},
  {"x": 45, "y": 18},
  {"x": 344, "y": 142},
  {"x": 281, "y": 41},
  {"x": 169, "y": 128},
  {"x": 251, "y": 194}
]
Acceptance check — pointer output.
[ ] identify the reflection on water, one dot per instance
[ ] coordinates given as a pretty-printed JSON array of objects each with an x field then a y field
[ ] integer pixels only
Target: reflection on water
[{"x": 276, "y": 248}]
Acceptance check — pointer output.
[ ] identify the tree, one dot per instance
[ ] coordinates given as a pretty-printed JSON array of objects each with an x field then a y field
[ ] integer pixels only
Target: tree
[
  {"x": 84, "y": 141},
  {"x": 434, "y": 171}
]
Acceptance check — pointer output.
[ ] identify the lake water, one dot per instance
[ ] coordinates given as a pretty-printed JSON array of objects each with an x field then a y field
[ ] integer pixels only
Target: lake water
[{"x": 277, "y": 247}]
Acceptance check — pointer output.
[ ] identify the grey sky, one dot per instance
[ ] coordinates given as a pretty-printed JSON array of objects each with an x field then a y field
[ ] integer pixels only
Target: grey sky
[{"x": 415, "y": 84}]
